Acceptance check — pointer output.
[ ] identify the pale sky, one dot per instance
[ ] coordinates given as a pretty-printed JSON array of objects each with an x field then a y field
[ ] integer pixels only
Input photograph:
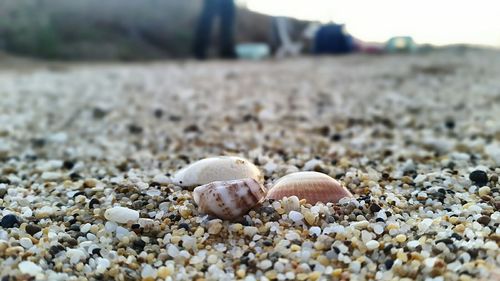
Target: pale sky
[{"x": 427, "y": 21}]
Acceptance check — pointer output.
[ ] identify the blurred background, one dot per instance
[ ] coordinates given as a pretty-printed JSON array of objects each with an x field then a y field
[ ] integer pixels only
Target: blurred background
[{"x": 164, "y": 29}]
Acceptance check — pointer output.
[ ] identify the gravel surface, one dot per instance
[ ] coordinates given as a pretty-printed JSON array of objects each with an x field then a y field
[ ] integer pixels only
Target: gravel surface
[{"x": 86, "y": 152}]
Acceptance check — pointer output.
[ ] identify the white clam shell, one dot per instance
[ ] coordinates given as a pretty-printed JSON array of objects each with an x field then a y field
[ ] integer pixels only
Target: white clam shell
[
  {"x": 212, "y": 169},
  {"x": 312, "y": 186},
  {"x": 229, "y": 199}
]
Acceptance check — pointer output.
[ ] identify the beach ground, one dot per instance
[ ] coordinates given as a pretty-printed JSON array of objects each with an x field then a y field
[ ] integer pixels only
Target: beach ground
[{"x": 415, "y": 138}]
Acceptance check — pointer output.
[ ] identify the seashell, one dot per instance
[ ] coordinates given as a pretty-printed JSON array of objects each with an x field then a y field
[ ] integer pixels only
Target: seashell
[
  {"x": 312, "y": 186},
  {"x": 212, "y": 169},
  {"x": 229, "y": 199}
]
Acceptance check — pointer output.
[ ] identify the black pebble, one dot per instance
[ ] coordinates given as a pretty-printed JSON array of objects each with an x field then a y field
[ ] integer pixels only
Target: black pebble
[
  {"x": 336, "y": 137},
  {"x": 388, "y": 248},
  {"x": 184, "y": 225},
  {"x": 158, "y": 113},
  {"x": 473, "y": 253},
  {"x": 33, "y": 229},
  {"x": 4, "y": 180},
  {"x": 75, "y": 227},
  {"x": 247, "y": 221},
  {"x": 56, "y": 249},
  {"x": 174, "y": 118},
  {"x": 445, "y": 240},
  {"x": 68, "y": 165},
  {"x": 388, "y": 264},
  {"x": 244, "y": 260},
  {"x": 191, "y": 128},
  {"x": 139, "y": 244},
  {"x": 75, "y": 176},
  {"x": 9, "y": 221},
  {"x": 93, "y": 202},
  {"x": 99, "y": 113},
  {"x": 375, "y": 208},
  {"x": 457, "y": 236},
  {"x": 268, "y": 210},
  {"x": 135, "y": 129},
  {"x": 38, "y": 142},
  {"x": 78, "y": 193},
  {"x": 450, "y": 124},
  {"x": 479, "y": 177},
  {"x": 96, "y": 251},
  {"x": 267, "y": 243}
]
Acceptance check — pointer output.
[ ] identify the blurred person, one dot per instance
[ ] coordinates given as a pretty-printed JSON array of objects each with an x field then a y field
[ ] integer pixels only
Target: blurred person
[{"x": 225, "y": 9}]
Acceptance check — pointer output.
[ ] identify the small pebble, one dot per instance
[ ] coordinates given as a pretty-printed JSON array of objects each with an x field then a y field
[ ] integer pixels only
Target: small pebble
[
  {"x": 30, "y": 268},
  {"x": 121, "y": 215},
  {"x": 484, "y": 190},
  {"x": 295, "y": 216},
  {"x": 484, "y": 220},
  {"x": 32, "y": 229},
  {"x": 9, "y": 221},
  {"x": 401, "y": 238},
  {"x": 214, "y": 226},
  {"x": 26, "y": 242},
  {"x": 372, "y": 245}
]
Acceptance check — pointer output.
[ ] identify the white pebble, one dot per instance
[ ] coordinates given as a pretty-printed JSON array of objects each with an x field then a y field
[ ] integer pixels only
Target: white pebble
[
  {"x": 50, "y": 176},
  {"x": 162, "y": 179},
  {"x": 315, "y": 230},
  {"x": 355, "y": 266},
  {"x": 372, "y": 245},
  {"x": 121, "y": 215},
  {"x": 26, "y": 242},
  {"x": 419, "y": 179},
  {"x": 265, "y": 264},
  {"x": 75, "y": 255},
  {"x": 295, "y": 216},
  {"x": 121, "y": 232},
  {"x": 85, "y": 228},
  {"x": 27, "y": 267},
  {"x": 413, "y": 244},
  {"x": 110, "y": 226},
  {"x": 292, "y": 235},
  {"x": 172, "y": 251},
  {"x": 148, "y": 271},
  {"x": 425, "y": 224},
  {"x": 250, "y": 231},
  {"x": 102, "y": 265},
  {"x": 490, "y": 245},
  {"x": 312, "y": 164},
  {"x": 378, "y": 229}
]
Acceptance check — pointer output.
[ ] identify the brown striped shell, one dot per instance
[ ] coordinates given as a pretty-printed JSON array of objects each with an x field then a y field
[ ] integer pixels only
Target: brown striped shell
[
  {"x": 229, "y": 199},
  {"x": 312, "y": 186}
]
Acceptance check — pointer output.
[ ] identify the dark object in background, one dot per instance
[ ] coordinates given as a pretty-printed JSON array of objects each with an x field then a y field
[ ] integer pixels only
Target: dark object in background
[
  {"x": 479, "y": 178},
  {"x": 332, "y": 39},
  {"x": 225, "y": 9}
]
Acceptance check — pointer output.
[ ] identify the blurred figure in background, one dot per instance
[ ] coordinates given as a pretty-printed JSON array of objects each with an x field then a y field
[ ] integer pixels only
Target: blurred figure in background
[{"x": 225, "y": 9}]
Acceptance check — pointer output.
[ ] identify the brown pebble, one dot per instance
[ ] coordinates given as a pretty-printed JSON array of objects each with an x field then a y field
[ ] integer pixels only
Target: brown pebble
[
  {"x": 484, "y": 220},
  {"x": 32, "y": 229},
  {"x": 494, "y": 178}
]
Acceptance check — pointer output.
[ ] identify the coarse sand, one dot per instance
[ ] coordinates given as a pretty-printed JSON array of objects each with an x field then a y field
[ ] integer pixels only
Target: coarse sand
[{"x": 415, "y": 138}]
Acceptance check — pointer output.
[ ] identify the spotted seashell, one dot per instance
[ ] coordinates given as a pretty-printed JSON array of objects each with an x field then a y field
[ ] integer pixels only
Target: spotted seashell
[
  {"x": 229, "y": 199},
  {"x": 312, "y": 186},
  {"x": 212, "y": 169}
]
